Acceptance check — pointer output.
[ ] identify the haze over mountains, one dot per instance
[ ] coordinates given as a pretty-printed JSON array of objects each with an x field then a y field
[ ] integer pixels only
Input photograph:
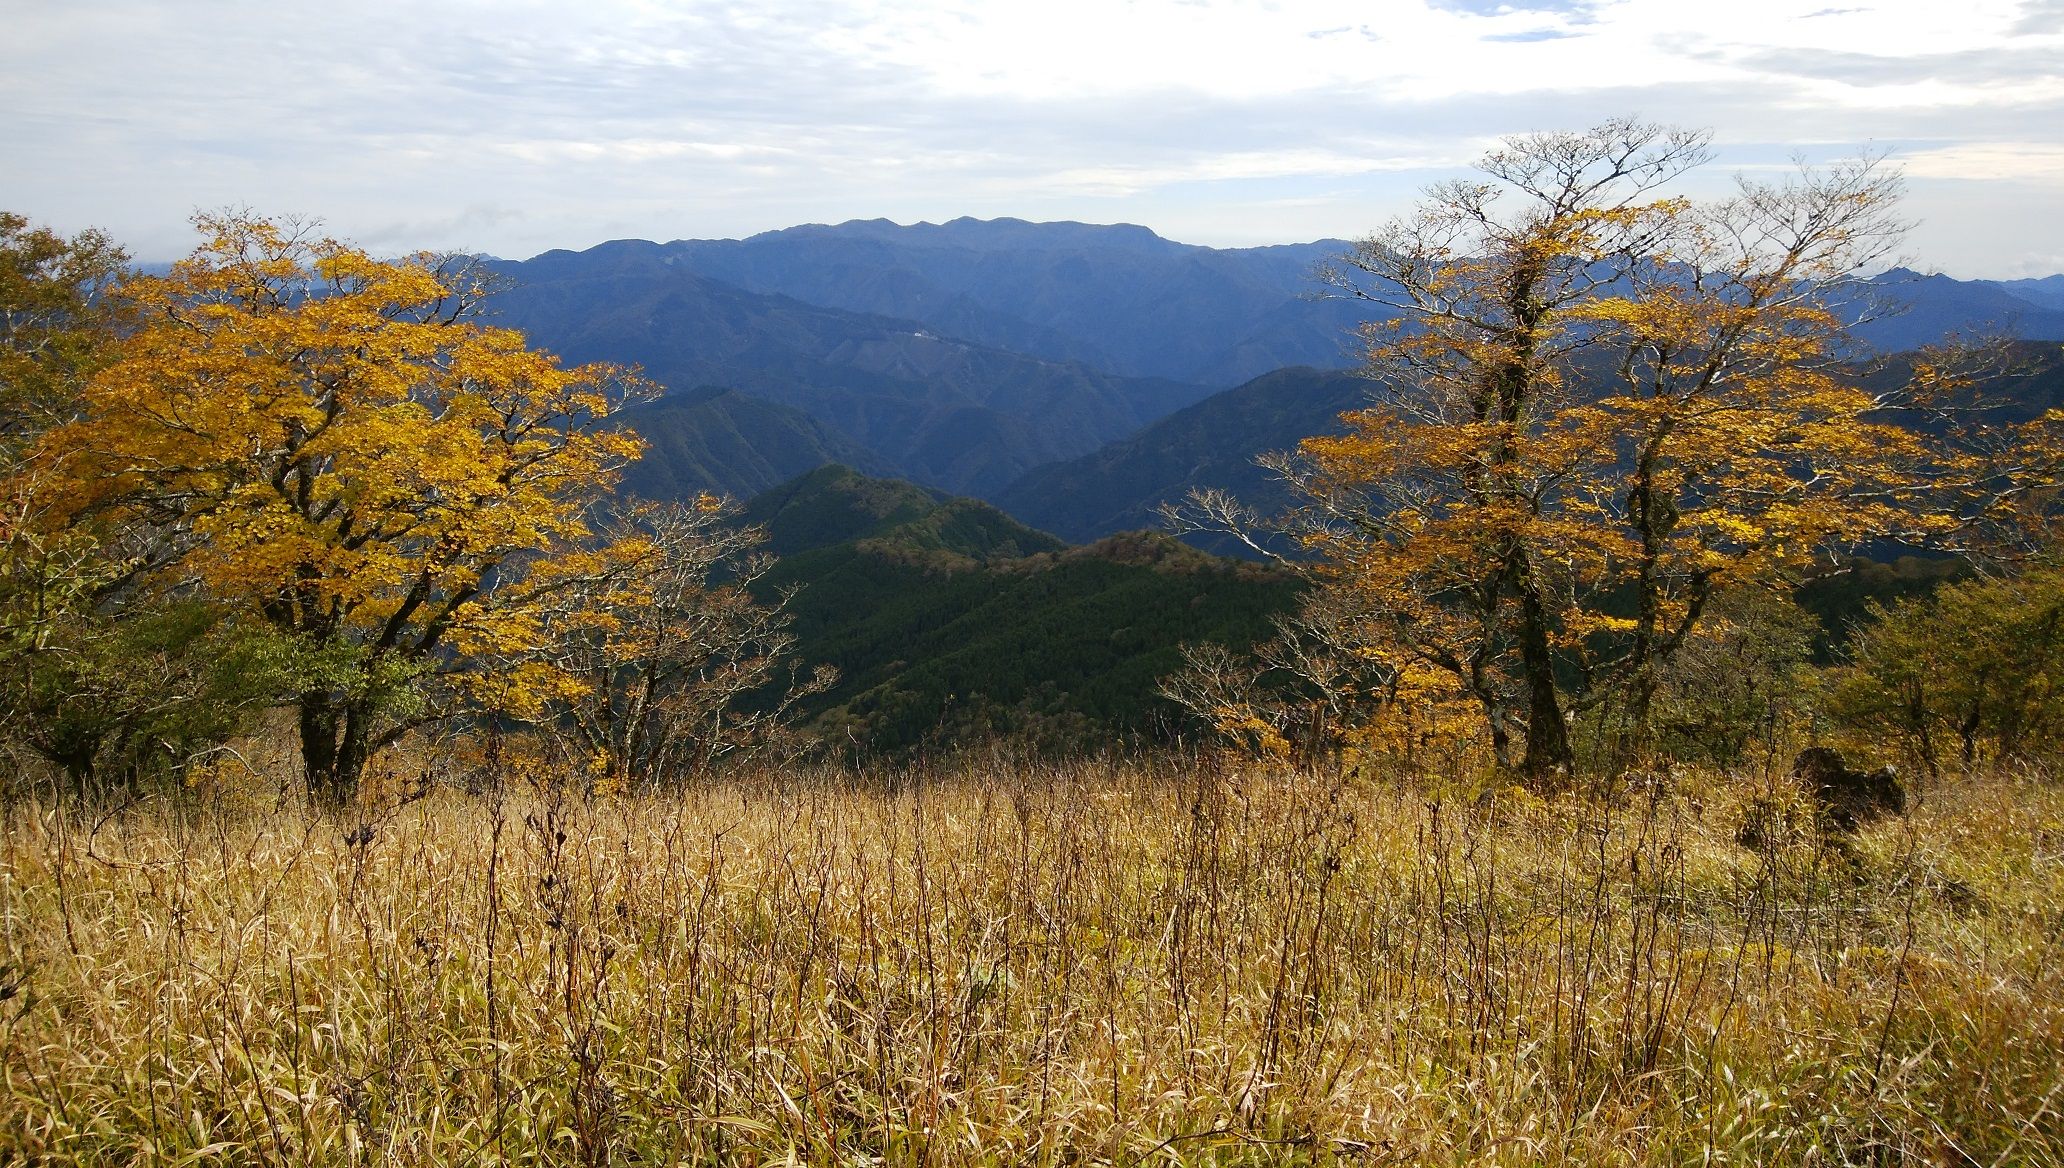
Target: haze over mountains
[
  {"x": 941, "y": 411},
  {"x": 1118, "y": 298},
  {"x": 1075, "y": 374}
]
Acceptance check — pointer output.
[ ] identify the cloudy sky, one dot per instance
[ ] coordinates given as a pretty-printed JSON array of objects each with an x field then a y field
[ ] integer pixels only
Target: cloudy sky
[{"x": 512, "y": 127}]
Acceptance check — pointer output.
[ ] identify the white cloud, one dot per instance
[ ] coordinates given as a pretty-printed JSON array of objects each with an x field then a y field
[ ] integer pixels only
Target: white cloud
[
  {"x": 1133, "y": 179},
  {"x": 2039, "y": 162},
  {"x": 1220, "y": 119}
]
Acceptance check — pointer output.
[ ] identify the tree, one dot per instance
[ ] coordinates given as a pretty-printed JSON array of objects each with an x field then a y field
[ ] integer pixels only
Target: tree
[
  {"x": 1302, "y": 694},
  {"x": 346, "y": 456},
  {"x": 118, "y": 697},
  {"x": 56, "y": 322},
  {"x": 1597, "y": 406},
  {"x": 1988, "y": 407},
  {"x": 1978, "y": 667},
  {"x": 98, "y": 676},
  {"x": 1736, "y": 691},
  {"x": 666, "y": 644}
]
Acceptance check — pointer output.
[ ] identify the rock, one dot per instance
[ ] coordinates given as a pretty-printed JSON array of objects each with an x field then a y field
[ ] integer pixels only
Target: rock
[{"x": 1846, "y": 799}]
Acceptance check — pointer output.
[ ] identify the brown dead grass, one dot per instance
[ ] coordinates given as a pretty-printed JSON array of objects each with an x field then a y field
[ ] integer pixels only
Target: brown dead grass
[{"x": 1007, "y": 964}]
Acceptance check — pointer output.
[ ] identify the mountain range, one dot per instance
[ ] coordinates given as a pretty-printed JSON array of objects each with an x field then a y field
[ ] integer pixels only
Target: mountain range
[
  {"x": 954, "y": 433},
  {"x": 955, "y": 414},
  {"x": 1075, "y": 374},
  {"x": 1926, "y": 309},
  {"x": 1118, "y": 298}
]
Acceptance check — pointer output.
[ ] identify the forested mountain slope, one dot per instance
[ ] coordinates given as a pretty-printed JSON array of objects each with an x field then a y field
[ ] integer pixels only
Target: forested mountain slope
[
  {"x": 949, "y": 622},
  {"x": 724, "y": 442},
  {"x": 836, "y": 504}
]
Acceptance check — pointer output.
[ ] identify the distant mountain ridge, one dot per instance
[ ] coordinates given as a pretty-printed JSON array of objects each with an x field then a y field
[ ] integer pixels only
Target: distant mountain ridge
[
  {"x": 931, "y": 408},
  {"x": 2046, "y": 292},
  {"x": 1123, "y": 299},
  {"x": 966, "y": 355},
  {"x": 1118, "y": 297},
  {"x": 1935, "y": 307},
  {"x": 1212, "y": 444}
]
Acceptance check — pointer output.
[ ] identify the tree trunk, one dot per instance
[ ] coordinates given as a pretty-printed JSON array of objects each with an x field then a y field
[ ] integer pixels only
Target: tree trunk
[
  {"x": 1634, "y": 736},
  {"x": 1548, "y": 761},
  {"x": 335, "y": 748}
]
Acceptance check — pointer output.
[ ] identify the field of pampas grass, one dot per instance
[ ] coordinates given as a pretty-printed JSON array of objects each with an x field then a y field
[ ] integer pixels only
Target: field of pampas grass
[{"x": 1010, "y": 964}]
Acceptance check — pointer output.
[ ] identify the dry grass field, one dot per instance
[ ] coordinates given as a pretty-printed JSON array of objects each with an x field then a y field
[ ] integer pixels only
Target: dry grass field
[{"x": 1011, "y": 964}]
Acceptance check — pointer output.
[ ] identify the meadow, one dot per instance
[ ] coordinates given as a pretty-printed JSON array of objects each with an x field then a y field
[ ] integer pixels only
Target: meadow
[{"x": 1002, "y": 962}]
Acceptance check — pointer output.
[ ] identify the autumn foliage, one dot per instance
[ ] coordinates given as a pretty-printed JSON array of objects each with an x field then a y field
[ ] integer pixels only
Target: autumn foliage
[
  {"x": 1599, "y": 406},
  {"x": 332, "y": 452}
]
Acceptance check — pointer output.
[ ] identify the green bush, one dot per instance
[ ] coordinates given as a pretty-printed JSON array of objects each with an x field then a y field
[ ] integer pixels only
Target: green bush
[{"x": 1974, "y": 673}]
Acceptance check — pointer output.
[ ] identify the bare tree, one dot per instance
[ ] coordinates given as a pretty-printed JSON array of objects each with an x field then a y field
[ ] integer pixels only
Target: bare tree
[{"x": 674, "y": 665}]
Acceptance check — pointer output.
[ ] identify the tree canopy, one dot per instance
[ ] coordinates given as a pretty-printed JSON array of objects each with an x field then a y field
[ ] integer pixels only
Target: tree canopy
[
  {"x": 1598, "y": 404},
  {"x": 54, "y": 320},
  {"x": 331, "y": 442}
]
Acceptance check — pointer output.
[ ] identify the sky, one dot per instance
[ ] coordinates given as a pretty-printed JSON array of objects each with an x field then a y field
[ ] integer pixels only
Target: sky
[{"x": 513, "y": 127}]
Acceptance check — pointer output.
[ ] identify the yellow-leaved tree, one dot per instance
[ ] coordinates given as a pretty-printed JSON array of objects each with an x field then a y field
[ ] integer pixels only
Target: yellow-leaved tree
[
  {"x": 1598, "y": 405},
  {"x": 343, "y": 451}
]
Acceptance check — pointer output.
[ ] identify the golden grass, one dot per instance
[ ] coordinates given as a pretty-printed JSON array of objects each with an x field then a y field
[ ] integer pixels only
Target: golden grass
[{"x": 1023, "y": 965}]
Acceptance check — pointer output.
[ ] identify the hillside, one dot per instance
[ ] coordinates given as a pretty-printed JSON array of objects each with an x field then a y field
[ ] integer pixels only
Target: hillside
[
  {"x": 1212, "y": 444},
  {"x": 950, "y": 622},
  {"x": 962, "y": 416},
  {"x": 730, "y": 443},
  {"x": 837, "y": 505}
]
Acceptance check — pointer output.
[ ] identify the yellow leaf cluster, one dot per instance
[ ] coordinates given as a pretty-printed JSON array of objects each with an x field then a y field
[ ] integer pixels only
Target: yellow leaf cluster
[{"x": 347, "y": 452}]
